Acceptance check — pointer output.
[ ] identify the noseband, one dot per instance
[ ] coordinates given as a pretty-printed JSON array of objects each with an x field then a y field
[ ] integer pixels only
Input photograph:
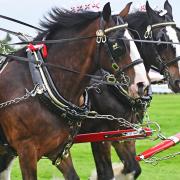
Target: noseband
[
  {"x": 102, "y": 38},
  {"x": 163, "y": 66}
]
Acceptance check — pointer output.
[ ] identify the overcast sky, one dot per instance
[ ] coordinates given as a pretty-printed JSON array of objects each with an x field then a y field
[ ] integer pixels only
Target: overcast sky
[{"x": 34, "y": 10}]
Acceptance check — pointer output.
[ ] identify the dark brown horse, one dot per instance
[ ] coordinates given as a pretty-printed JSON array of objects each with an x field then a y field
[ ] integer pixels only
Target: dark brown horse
[
  {"x": 150, "y": 52},
  {"x": 30, "y": 127}
]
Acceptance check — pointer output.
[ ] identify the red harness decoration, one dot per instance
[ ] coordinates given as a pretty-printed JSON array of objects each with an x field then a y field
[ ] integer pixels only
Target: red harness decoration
[
  {"x": 44, "y": 51},
  {"x": 113, "y": 135},
  {"x": 169, "y": 142},
  {"x": 37, "y": 47}
]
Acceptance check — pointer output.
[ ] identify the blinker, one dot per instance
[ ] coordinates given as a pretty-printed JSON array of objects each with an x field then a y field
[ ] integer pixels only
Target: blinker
[{"x": 116, "y": 48}]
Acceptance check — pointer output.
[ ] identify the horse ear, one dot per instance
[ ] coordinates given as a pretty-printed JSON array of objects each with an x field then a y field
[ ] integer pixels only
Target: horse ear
[
  {"x": 106, "y": 12},
  {"x": 168, "y": 7},
  {"x": 151, "y": 13},
  {"x": 125, "y": 11}
]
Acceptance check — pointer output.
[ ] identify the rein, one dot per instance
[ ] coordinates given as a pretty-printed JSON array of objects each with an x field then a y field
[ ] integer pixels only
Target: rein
[
  {"x": 84, "y": 38},
  {"x": 96, "y": 78},
  {"x": 20, "y": 22}
]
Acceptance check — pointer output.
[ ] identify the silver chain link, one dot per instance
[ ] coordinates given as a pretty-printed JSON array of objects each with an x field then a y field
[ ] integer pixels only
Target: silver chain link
[
  {"x": 125, "y": 123},
  {"x": 37, "y": 90},
  {"x": 15, "y": 100},
  {"x": 155, "y": 160},
  {"x": 122, "y": 122}
]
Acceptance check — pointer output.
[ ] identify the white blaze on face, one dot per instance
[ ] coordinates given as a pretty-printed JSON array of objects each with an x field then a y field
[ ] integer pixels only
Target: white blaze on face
[
  {"x": 140, "y": 72},
  {"x": 173, "y": 37}
]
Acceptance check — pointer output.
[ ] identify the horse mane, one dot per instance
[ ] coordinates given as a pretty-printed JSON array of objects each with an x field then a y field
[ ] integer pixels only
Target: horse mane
[{"x": 62, "y": 18}]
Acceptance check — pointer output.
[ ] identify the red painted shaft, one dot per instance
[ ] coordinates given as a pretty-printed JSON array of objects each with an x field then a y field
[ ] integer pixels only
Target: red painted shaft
[
  {"x": 169, "y": 142},
  {"x": 112, "y": 135}
]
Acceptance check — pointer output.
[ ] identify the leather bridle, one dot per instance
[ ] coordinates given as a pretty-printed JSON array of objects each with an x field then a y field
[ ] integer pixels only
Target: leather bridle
[
  {"x": 163, "y": 66},
  {"x": 102, "y": 38}
]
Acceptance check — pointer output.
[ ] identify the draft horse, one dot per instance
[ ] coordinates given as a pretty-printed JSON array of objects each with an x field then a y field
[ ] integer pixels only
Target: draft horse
[
  {"x": 164, "y": 57},
  {"x": 32, "y": 127}
]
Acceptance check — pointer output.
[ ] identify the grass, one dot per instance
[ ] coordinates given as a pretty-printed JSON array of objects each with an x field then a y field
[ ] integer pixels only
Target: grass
[{"x": 165, "y": 109}]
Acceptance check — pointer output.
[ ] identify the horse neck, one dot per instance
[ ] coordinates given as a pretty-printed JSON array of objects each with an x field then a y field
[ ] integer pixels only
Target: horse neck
[{"x": 78, "y": 56}]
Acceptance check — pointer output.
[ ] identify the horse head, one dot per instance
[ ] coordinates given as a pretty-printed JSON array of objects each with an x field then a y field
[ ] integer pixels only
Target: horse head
[
  {"x": 163, "y": 28},
  {"x": 125, "y": 60}
]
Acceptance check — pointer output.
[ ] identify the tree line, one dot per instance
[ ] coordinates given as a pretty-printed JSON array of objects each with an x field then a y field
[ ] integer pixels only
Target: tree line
[{"x": 4, "y": 47}]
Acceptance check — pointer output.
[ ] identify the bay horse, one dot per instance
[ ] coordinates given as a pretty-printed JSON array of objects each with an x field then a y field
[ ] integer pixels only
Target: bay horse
[
  {"x": 112, "y": 104},
  {"x": 31, "y": 128}
]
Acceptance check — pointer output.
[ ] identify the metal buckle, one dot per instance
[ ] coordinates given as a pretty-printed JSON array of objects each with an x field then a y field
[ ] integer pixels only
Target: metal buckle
[
  {"x": 115, "y": 66},
  {"x": 111, "y": 78},
  {"x": 148, "y": 33},
  {"x": 101, "y": 37}
]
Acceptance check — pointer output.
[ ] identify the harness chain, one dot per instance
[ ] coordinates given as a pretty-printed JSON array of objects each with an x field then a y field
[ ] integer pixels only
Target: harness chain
[
  {"x": 37, "y": 90},
  {"x": 90, "y": 115},
  {"x": 154, "y": 160}
]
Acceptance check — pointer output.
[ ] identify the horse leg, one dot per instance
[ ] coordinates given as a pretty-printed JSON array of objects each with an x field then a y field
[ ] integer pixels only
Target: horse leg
[
  {"x": 27, "y": 153},
  {"x": 6, "y": 161},
  {"x": 127, "y": 152},
  {"x": 102, "y": 156},
  {"x": 67, "y": 169}
]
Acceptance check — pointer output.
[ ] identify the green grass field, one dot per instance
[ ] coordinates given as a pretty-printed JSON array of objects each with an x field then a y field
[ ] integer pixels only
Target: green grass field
[{"x": 165, "y": 109}]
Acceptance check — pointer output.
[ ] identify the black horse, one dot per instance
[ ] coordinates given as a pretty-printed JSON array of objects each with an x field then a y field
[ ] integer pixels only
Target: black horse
[
  {"x": 34, "y": 128},
  {"x": 158, "y": 26}
]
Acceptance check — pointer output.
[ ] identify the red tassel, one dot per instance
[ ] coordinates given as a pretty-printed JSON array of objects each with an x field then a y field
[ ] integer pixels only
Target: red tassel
[
  {"x": 44, "y": 51},
  {"x": 31, "y": 47}
]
